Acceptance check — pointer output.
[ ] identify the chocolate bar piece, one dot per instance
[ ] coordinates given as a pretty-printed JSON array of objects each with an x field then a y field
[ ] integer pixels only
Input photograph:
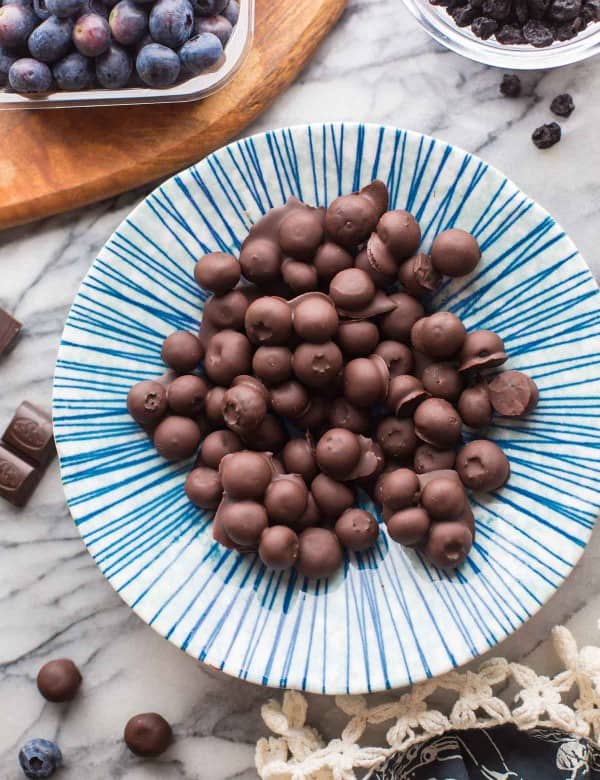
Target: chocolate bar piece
[
  {"x": 9, "y": 330},
  {"x": 18, "y": 479},
  {"x": 29, "y": 434}
]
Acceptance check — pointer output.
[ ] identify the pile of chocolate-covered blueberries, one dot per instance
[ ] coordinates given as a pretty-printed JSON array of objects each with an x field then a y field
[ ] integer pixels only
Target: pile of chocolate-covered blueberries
[{"x": 320, "y": 380}]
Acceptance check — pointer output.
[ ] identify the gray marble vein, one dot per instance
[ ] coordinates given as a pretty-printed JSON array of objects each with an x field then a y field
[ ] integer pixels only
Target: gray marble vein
[{"x": 376, "y": 66}]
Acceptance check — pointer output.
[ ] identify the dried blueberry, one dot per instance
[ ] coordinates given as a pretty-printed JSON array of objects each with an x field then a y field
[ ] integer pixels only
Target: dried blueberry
[
  {"x": 463, "y": 15},
  {"x": 171, "y": 22},
  {"x": 74, "y": 72},
  {"x": 7, "y": 57},
  {"x": 157, "y": 65},
  {"x": 521, "y": 9},
  {"x": 65, "y": 8},
  {"x": 51, "y": 40},
  {"x": 232, "y": 12},
  {"x": 209, "y": 7},
  {"x": 497, "y": 9},
  {"x": 537, "y": 9},
  {"x": 484, "y": 27},
  {"x": 510, "y": 86},
  {"x": 591, "y": 11},
  {"x": 200, "y": 53},
  {"x": 113, "y": 68},
  {"x": 91, "y": 35},
  {"x": 39, "y": 759},
  {"x": 16, "y": 24},
  {"x": 509, "y": 34},
  {"x": 29, "y": 76},
  {"x": 546, "y": 136},
  {"x": 537, "y": 33},
  {"x": 562, "y": 105},
  {"x": 565, "y": 10},
  {"x": 217, "y": 25},
  {"x": 564, "y": 32}
]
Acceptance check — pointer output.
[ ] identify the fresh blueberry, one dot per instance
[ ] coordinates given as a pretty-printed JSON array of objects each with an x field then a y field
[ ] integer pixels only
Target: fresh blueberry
[
  {"x": 7, "y": 57},
  {"x": 74, "y": 72},
  {"x": 16, "y": 24},
  {"x": 51, "y": 40},
  {"x": 96, "y": 7},
  {"x": 171, "y": 22},
  {"x": 39, "y": 759},
  {"x": 128, "y": 22},
  {"x": 157, "y": 65},
  {"x": 91, "y": 35},
  {"x": 200, "y": 52},
  {"x": 65, "y": 8},
  {"x": 209, "y": 7},
  {"x": 232, "y": 12},
  {"x": 113, "y": 68},
  {"x": 41, "y": 10},
  {"x": 217, "y": 25}
]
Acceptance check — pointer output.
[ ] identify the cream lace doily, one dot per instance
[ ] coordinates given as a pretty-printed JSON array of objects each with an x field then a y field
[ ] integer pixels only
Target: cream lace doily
[{"x": 298, "y": 752}]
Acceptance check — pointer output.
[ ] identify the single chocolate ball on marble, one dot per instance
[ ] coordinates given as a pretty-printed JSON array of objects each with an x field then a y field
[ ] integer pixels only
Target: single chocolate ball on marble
[
  {"x": 397, "y": 324},
  {"x": 343, "y": 414},
  {"x": 218, "y": 444},
  {"x": 301, "y": 233},
  {"x": 245, "y": 475},
  {"x": 177, "y": 438},
  {"x": 357, "y": 529},
  {"x": 260, "y": 259},
  {"x": 299, "y": 458},
  {"x": 397, "y": 438},
  {"x": 448, "y": 544},
  {"x": 363, "y": 261},
  {"x": 286, "y": 499},
  {"x": 442, "y": 380},
  {"x": 315, "y": 415},
  {"x": 270, "y": 436},
  {"x": 428, "y": 458},
  {"x": 268, "y": 321},
  {"x": 444, "y": 499},
  {"x": 400, "y": 232},
  {"x": 398, "y": 357},
  {"x": 217, "y": 272},
  {"x": 455, "y": 252},
  {"x": 475, "y": 407},
  {"x": 337, "y": 452},
  {"x": 351, "y": 289},
  {"x": 228, "y": 354},
  {"x": 482, "y": 349},
  {"x": 300, "y": 277},
  {"x": 409, "y": 527},
  {"x": 289, "y": 399},
  {"x": 405, "y": 393},
  {"x": 317, "y": 365},
  {"x": 482, "y": 466},
  {"x": 182, "y": 351},
  {"x": 244, "y": 521},
  {"x": 186, "y": 394},
  {"x": 244, "y": 408},
  {"x": 203, "y": 487},
  {"x": 350, "y": 220},
  {"x": 272, "y": 364},
  {"x": 59, "y": 680},
  {"x": 332, "y": 497},
  {"x": 147, "y": 734},
  {"x": 513, "y": 394},
  {"x": 320, "y": 554},
  {"x": 213, "y": 406},
  {"x": 330, "y": 259},
  {"x": 357, "y": 339},
  {"x": 147, "y": 402},
  {"x": 226, "y": 311},
  {"x": 399, "y": 489},
  {"x": 315, "y": 319},
  {"x": 278, "y": 547},
  {"x": 418, "y": 276},
  {"x": 441, "y": 335},
  {"x": 366, "y": 381},
  {"x": 438, "y": 423}
]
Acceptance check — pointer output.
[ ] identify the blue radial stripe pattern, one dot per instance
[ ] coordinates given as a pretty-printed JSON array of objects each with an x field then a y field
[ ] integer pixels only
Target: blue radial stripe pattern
[{"x": 388, "y": 618}]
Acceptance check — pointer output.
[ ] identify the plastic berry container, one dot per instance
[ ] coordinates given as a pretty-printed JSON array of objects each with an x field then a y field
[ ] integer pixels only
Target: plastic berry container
[
  {"x": 441, "y": 27},
  {"x": 194, "y": 88}
]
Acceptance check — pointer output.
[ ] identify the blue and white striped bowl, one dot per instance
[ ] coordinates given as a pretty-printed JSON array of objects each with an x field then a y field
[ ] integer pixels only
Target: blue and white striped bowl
[{"x": 388, "y": 618}]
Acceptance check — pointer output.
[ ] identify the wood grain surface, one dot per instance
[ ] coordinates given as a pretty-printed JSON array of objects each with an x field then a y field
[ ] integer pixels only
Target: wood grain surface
[{"x": 55, "y": 160}]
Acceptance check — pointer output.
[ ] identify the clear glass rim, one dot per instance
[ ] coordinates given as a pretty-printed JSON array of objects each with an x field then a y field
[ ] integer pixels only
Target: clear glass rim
[{"x": 441, "y": 27}]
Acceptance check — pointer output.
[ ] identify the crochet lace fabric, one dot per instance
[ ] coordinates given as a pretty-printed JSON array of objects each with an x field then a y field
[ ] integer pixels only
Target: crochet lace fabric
[{"x": 299, "y": 752}]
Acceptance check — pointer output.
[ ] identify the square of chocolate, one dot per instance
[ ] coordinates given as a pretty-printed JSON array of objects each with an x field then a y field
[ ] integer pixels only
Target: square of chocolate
[
  {"x": 18, "y": 478},
  {"x": 9, "y": 330},
  {"x": 30, "y": 434}
]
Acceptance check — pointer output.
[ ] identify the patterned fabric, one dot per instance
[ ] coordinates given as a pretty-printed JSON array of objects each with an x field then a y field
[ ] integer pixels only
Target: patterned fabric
[{"x": 501, "y": 753}]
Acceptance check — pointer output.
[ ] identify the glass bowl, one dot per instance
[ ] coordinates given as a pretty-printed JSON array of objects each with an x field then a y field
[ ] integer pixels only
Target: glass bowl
[
  {"x": 435, "y": 20},
  {"x": 193, "y": 89}
]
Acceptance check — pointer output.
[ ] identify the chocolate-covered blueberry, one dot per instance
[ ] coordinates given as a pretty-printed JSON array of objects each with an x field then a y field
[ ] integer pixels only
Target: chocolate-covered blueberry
[
  {"x": 442, "y": 380},
  {"x": 289, "y": 399},
  {"x": 278, "y": 547},
  {"x": 365, "y": 262},
  {"x": 332, "y": 497},
  {"x": 444, "y": 499},
  {"x": 244, "y": 407},
  {"x": 448, "y": 544},
  {"x": 245, "y": 475},
  {"x": 260, "y": 259},
  {"x": 350, "y": 220},
  {"x": 358, "y": 338},
  {"x": 244, "y": 522},
  {"x": 428, "y": 458},
  {"x": 398, "y": 323},
  {"x": 272, "y": 364},
  {"x": 351, "y": 289},
  {"x": 440, "y": 335},
  {"x": 418, "y": 276},
  {"x": 315, "y": 416},
  {"x": 218, "y": 444},
  {"x": 357, "y": 529},
  {"x": 377, "y": 192},
  {"x": 315, "y": 319},
  {"x": 380, "y": 258},
  {"x": 337, "y": 452},
  {"x": 203, "y": 487},
  {"x": 213, "y": 406},
  {"x": 513, "y": 394},
  {"x": 455, "y": 252},
  {"x": 396, "y": 437},
  {"x": 300, "y": 277},
  {"x": 343, "y": 414},
  {"x": 59, "y": 680},
  {"x": 366, "y": 381},
  {"x": 405, "y": 393},
  {"x": 186, "y": 395},
  {"x": 147, "y": 402},
  {"x": 399, "y": 489},
  {"x": 270, "y": 436},
  {"x": 177, "y": 438},
  {"x": 226, "y": 311},
  {"x": 482, "y": 349},
  {"x": 398, "y": 357},
  {"x": 410, "y": 526},
  {"x": 147, "y": 734},
  {"x": 438, "y": 423},
  {"x": 320, "y": 553},
  {"x": 217, "y": 272},
  {"x": 482, "y": 466},
  {"x": 228, "y": 354},
  {"x": 299, "y": 458},
  {"x": 475, "y": 407},
  {"x": 317, "y": 365},
  {"x": 330, "y": 259},
  {"x": 301, "y": 233},
  {"x": 286, "y": 499},
  {"x": 182, "y": 351},
  {"x": 400, "y": 232},
  {"x": 268, "y": 321}
]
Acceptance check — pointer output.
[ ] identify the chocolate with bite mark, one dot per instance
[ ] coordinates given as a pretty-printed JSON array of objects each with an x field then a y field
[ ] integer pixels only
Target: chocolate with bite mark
[{"x": 513, "y": 394}]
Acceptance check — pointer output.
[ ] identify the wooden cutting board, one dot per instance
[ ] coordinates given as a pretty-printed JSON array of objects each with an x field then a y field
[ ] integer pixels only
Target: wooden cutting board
[{"x": 55, "y": 160}]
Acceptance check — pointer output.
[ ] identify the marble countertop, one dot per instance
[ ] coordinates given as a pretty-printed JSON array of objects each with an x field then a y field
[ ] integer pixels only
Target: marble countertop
[{"x": 376, "y": 66}]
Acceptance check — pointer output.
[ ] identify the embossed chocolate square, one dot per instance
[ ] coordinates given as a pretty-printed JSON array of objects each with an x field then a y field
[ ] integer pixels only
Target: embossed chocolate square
[
  {"x": 18, "y": 479},
  {"x": 30, "y": 434}
]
